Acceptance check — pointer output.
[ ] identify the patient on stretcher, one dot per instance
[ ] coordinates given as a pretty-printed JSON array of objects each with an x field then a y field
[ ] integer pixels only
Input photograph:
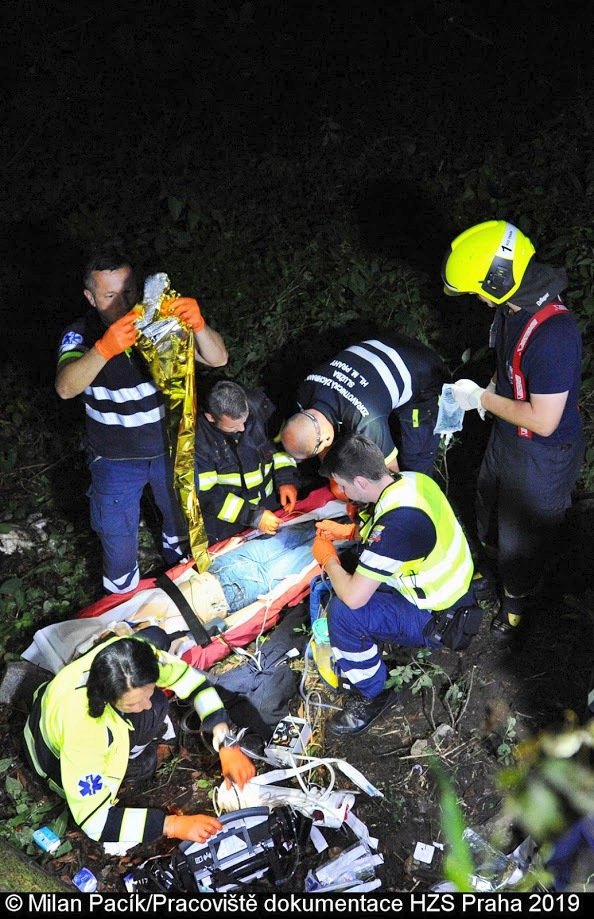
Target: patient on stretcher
[
  {"x": 234, "y": 581},
  {"x": 257, "y": 573}
]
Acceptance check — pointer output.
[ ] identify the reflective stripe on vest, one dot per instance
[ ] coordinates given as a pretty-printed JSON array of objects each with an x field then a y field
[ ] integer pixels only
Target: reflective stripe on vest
[
  {"x": 438, "y": 581},
  {"x": 518, "y": 379}
]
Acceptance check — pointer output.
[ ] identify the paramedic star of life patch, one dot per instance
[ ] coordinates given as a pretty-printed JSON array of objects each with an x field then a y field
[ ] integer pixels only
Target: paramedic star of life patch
[{"x": 90, "y": 785}]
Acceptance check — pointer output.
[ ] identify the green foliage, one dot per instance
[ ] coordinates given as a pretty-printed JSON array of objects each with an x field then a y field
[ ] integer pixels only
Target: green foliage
[
  {"x": 431, "y": 680},
  {"x": 206, "y": 784},
  {"x": 54, "y": 588},
  {"x": 167, "y": 768},
  {"x": 551, "y": 784},
  {"x": 29, "y": 815},
  {"x": 419, "y": 673},
  {"x": 48, "y": 578},
  {"x": 505, "y": 750}
]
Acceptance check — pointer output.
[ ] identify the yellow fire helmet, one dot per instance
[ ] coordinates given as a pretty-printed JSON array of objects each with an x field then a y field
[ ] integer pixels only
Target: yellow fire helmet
[{"x": 489, "y": 259}]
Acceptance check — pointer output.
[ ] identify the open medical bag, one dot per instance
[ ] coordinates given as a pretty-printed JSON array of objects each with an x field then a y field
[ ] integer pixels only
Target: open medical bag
[{"x": 254, "y": 842}]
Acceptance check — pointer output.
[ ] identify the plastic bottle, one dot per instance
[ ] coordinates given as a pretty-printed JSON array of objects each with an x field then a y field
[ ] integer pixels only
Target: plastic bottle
[
  {"x": 46, "y": 839},
  {"x": 493, "y": 869},
  {"x": 85, "y": 880}
]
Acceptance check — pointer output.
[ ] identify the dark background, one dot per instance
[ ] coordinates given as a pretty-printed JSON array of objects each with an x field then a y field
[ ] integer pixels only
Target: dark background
[
  {"x": 264, "y": 117},
  {"x": 295, "y": 165}
]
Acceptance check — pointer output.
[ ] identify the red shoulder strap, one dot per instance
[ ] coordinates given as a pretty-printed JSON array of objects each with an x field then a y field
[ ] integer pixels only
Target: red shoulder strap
[{"x": 518, "y": 379}]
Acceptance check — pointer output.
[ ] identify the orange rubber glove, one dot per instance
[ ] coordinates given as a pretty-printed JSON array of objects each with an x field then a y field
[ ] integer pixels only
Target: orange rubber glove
[
  {"x": 330, "y": 529},
  {"x": 194, "y": 827},
  {"x": 323, "y": 550},
  {"x": 288, "y": 497},
  {"x": 188, "y": 309},
  {"x": 236, "y": 766},
  {"x": 268, "y": 523},
  {"x": 120, "y": 335}
]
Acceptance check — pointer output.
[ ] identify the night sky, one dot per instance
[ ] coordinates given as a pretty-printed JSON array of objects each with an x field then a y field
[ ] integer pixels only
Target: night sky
[{"x": 107, "y": 105}]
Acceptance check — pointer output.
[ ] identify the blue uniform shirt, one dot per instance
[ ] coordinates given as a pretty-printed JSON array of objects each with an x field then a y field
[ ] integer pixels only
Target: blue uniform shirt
[
  {"x": 125, "y": 412},
  {"x": 550, "y": 364},
  {"x": 359, "y": 388}
]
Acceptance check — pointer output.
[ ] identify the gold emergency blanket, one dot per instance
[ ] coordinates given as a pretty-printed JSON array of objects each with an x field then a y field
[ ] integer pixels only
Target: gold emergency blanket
[{"x": 168, "y": 348}]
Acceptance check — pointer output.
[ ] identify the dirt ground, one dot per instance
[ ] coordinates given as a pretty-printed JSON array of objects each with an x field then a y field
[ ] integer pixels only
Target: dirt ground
[{"x": 496, "y": 696}]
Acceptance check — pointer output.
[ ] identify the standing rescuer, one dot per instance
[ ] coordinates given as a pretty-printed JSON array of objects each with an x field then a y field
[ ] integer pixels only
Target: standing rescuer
[
  {"x": 126, "y": 436},
  {"x": 536, "y": 447}
]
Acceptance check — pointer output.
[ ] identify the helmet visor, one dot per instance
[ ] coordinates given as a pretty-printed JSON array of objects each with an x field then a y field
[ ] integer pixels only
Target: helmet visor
[{"x": 447, "y": 289}]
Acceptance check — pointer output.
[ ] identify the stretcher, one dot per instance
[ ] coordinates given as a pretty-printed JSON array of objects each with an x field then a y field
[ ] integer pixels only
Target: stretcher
[{"x": 56, "y": 644}]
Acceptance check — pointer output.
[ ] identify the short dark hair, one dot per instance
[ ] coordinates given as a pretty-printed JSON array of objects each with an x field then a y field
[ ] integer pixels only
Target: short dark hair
[
  {"x": 109, "y": 257},
  {"x": 125, "y": 664},
  {"x": 226, "y": 398},
  {"x": 354, "y": 455}
]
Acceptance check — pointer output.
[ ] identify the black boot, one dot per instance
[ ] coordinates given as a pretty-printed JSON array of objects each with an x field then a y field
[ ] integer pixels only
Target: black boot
[
  {"x": 507, "y": 622},
  {"x": 359, "y": 712},
  {"x": 484, "y": 584}
]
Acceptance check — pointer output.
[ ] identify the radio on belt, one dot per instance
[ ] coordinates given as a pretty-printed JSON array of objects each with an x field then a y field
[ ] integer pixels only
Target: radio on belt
[{"x": 291, "y": 736}]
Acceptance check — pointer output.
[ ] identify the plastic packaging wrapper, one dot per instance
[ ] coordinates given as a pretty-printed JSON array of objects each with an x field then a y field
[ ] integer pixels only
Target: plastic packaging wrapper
[
  {"x": 352, "y": 870},
  {"x": 493, "y": 869},
  {"x": 327, "y": 809},
  {"x": 168, "y": 348},
  {"x": 450, "y": 417}
]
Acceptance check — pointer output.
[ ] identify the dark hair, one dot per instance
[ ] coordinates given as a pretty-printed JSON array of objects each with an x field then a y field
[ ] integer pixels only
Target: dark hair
[
  {"x": 354, "y": 455},
  {"x": 109, "y": 257},
  {"x": 226, "y": 398},
  {"x": 125, "y": 664}
]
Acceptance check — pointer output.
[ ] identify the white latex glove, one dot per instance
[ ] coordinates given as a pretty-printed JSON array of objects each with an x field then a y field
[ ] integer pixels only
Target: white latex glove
[
  {"x": 490, "y": 387},
  {"x": 468, "y": 394}
]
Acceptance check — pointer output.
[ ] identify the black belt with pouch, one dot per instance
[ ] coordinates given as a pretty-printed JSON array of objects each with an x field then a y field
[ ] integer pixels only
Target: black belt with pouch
[{"x": 456, "y": 627}]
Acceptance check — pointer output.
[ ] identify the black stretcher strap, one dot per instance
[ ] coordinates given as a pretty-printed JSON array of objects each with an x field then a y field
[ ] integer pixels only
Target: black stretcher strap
[{"x": 197, "y": 629}]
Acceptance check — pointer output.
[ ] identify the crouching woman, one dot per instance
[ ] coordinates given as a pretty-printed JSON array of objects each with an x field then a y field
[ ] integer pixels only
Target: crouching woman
[{"x": 90, "y": 724}]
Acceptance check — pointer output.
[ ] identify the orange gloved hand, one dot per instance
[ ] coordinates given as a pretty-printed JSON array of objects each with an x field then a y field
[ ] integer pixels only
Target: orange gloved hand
[
  {"x": 288, "y": 497},
  {"x": 194, "y": 827},
  {"x": 188, "y": 309},
  {"x": 330, "y": 529},
  {"x": 323, "y": 550},
  {"x": 120, "y": 335},
  {"x": 236, "y": 766},
  {"x": 268, "y": 523}
]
